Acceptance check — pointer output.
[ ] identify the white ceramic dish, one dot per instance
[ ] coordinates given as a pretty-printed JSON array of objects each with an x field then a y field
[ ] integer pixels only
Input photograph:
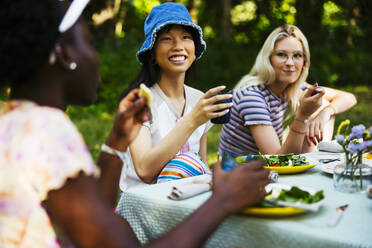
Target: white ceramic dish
[{"x": 281, "y": 211}]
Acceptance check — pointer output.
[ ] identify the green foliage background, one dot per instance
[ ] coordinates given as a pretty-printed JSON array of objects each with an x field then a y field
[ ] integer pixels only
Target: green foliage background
[
  {"x": 338, "y": 32},
  {"x": 339, "y": 35}
]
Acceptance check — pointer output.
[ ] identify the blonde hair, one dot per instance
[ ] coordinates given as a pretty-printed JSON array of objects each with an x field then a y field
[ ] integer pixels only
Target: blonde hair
[{"x": 262, "y": 71}]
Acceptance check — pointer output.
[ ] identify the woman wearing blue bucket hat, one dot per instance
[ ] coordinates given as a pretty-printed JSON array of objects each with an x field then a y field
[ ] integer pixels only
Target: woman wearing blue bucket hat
[{"x": 175, "y": 140}]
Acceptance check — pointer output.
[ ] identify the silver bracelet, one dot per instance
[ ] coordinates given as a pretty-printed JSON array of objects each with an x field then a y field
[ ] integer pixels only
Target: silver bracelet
[
  {"x": 303, "y": 121},
  {"x": 105, "y": 148}
]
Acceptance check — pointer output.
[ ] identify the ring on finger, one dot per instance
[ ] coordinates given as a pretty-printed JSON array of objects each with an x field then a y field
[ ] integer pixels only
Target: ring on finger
[{"x": 273, "y": 176}]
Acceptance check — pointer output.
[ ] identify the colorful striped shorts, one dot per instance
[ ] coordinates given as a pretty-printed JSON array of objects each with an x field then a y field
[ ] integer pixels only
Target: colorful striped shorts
[{"x": 182, "y": 166}]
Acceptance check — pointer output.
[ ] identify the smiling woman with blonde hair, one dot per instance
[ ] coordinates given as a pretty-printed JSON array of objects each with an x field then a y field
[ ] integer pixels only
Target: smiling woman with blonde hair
[
  {"x": 263, "y": 72},
  {"x": 261, "y": 98}
]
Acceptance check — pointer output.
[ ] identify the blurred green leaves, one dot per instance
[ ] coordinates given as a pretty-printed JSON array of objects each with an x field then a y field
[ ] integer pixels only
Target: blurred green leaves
[
  {"x": 246, "y": 11},
  {"x": 337, "y": 32}
]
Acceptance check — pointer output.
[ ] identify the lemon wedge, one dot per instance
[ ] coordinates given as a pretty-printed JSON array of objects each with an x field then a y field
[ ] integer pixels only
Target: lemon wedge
[{"x": 145, "y": 92}]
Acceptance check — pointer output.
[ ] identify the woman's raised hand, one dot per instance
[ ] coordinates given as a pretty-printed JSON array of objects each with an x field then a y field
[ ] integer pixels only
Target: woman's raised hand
[
  {"x": 131, "y": 113},
  {"x": 311, "y": 101},
  {"x": 205, "y": 109}
]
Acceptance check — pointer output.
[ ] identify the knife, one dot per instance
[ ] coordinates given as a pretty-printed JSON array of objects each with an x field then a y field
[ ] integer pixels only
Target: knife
[
  {"x": 336, "y": 218},
  {"x": 308, "y": 207},
  {"x": 326, "y": 161}
]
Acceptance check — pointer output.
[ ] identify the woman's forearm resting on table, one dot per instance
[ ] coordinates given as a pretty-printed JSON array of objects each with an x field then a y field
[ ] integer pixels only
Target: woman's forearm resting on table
[
  {"x": 340, "y": 101},
  {"x": 148, "y": 160}
]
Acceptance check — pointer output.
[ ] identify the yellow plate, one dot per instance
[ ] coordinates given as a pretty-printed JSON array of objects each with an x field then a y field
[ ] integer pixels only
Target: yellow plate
[
  {"x": 290, "y": 169},
  {"x": 368, "y": 156},
  {"x": 272, "y": 212}
]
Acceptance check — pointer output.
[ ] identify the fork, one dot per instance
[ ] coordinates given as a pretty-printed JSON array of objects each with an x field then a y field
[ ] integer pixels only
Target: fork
[{"x": 336, "y": 218}]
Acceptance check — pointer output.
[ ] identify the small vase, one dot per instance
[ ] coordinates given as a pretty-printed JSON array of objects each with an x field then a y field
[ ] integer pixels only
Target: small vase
[{"x": 352, "y": 176}]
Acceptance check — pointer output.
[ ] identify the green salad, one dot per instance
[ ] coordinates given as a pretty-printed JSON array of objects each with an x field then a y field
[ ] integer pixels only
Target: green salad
[
  {"x": 289, "y": 159},
  {"x": 294, "y": 194}
]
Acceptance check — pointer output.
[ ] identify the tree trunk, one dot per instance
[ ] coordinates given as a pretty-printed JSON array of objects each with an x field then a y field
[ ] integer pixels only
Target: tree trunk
[
  {"x": 309, "y": 18},
  {"x": 226, "y": 29}
]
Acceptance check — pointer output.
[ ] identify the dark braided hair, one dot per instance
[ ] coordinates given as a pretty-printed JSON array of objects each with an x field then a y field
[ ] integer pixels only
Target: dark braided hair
[{"x": 28, "y": 31}]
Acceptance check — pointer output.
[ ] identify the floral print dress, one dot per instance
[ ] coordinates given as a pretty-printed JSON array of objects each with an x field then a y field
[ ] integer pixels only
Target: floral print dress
[{"x": 40, "y": 149}]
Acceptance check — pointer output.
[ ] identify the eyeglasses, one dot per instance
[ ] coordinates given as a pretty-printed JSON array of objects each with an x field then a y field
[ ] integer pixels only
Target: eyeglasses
[
  {"x": 72, "y": 14},
  {"x": 296, "y": 57}
]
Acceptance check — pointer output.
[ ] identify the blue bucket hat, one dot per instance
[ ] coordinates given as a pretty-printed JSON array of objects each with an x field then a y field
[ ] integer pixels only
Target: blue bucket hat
[{"x": 166, "y": 14}]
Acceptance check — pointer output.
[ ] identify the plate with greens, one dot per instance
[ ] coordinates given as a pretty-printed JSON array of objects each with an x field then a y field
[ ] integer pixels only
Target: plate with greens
[
  {"x": 306, "y": 198},
  {"x": 286, "y": 163}
]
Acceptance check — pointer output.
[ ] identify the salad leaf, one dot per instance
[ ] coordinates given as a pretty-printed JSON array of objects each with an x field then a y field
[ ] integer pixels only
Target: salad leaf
[
  {"x": 289, "y": 159},
  {"x": 294, "y": 194}
]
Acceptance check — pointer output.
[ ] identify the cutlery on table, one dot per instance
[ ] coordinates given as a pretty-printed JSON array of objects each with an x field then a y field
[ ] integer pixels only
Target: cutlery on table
[
  {"x": 328, "y": 160},
  {"x": 336, "y": 218}
]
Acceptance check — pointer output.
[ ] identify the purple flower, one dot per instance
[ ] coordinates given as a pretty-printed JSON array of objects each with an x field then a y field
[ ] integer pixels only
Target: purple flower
[
  {"x": 353, "y": 148},
  {"x": 366, "y": 144},
  {"x": 340, "y": 138},
  {"x": 360, "y": 146},
  {"x": 358, "y": 130}
]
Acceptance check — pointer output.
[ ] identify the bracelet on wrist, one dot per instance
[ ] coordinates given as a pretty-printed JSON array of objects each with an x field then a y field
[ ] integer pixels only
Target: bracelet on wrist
[
  {"x": 105, "y": 148},
  {"x": 300, "y": 120},
  {"x": 296, "y": 131}
]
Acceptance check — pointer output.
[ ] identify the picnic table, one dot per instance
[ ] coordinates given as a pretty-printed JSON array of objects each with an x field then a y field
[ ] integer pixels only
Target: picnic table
[{"x": 151, "y": 214}]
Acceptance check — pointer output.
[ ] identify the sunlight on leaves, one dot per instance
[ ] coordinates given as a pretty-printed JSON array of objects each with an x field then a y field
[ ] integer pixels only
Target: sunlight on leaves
[
  {"x": 241, "y": 38},
  {"x": 333, "y": 78},
  {"x": 243, "y": 12},
  {"x": 183, "y": 2},
  {"x": 208, "y": 32},
  {"x": 277, "y": 10},
  {"x": 332, "y": 16},
  {"x": 144, "y": 6},
  {"x": 263, "y": 23},
  {"x": 290, "y": 10},
  {"x": 106, "y": 116}
]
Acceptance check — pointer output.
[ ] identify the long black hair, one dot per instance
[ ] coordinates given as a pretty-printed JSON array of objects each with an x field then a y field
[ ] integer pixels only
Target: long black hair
[{"x": 150, "y": 71}]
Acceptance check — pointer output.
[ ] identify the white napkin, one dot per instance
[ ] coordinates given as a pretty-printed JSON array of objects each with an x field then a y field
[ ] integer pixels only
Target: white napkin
[
  {"x": 332, "y": 146},
  {"x": 187, "y": 190}
]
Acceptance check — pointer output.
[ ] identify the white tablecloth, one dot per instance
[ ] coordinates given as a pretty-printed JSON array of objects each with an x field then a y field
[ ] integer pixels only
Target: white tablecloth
[{"x": 151, "y": 214}]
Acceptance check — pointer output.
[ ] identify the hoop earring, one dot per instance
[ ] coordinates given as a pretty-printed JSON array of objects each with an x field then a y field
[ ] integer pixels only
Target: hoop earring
[{"x": 73, "y": 66}]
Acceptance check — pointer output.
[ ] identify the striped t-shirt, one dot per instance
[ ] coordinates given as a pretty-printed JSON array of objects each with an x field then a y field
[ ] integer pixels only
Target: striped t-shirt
[{"x": 253, "y": 105}]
